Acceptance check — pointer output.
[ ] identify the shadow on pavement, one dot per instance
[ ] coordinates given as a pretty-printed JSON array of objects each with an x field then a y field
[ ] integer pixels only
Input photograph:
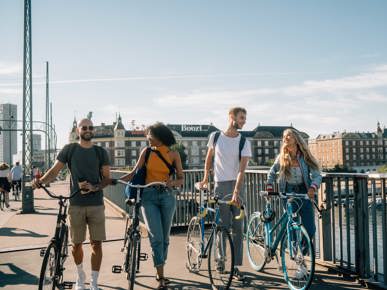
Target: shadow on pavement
[
  {"x": 13, "y": 275},
  {"x": 15, "y": 232}
]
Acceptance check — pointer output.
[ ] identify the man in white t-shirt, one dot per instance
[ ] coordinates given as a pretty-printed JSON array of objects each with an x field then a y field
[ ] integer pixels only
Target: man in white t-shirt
[{"x": 231, "y": 152}]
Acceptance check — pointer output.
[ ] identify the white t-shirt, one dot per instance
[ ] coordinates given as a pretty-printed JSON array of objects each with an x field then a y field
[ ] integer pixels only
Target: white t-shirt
[{"x": 226, "y": 157}]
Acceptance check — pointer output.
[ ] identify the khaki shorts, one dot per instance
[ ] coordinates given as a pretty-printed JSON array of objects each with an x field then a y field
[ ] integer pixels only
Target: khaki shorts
[{"x": 93, "y": 216}]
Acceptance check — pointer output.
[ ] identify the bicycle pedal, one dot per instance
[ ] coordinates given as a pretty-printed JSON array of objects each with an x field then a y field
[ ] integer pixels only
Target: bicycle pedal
[
  {"x": 143, "y": 257},
  {"x": 67, "y": 285},
  {"x": 42, "y": 252},
  {"x": 117, "y": 269},
  {"x": 203, "y": 256}
]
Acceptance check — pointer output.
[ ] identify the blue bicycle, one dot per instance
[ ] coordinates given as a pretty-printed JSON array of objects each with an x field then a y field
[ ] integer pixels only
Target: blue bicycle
[
  {"x": 214, "y": 243},
  {"x": 297, "y": 251}
]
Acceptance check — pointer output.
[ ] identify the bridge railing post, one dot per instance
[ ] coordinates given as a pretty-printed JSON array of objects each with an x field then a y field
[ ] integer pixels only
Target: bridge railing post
[
  {"x": 362, "y": 249},
  {"x": 326, "y": 198}
]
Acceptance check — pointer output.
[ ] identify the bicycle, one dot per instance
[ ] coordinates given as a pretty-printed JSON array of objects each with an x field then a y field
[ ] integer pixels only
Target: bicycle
[
  {"x": 297, "y": 251},
  {"x": 218, "y": 247},
  {"x": 54, "y": 256},
  {"x": 132, "y": 238}
]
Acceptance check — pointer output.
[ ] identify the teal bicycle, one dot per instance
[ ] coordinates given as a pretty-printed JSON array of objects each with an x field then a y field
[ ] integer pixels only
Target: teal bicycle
[
  {"x": 213, "y": 242},
  {"x": 297, "y": 251}
]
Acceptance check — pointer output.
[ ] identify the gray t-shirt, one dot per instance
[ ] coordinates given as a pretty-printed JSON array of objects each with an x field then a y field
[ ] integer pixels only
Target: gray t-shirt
[{"x": 85, "y": 166}]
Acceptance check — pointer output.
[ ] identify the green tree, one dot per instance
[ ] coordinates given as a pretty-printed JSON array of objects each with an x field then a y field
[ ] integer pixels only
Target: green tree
[
  {"x": 179, "y": 147},
  {"x": 382, "y": 169}
]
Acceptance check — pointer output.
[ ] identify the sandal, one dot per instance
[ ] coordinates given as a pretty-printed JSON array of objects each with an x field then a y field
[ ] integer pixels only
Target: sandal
[
  {"x": 166, "y": 280},
  {"x": 162, "y": 286}
]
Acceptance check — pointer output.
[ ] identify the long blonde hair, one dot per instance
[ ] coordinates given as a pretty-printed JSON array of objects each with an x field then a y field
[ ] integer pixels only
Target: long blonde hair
[{"x": 302, "y": 146}]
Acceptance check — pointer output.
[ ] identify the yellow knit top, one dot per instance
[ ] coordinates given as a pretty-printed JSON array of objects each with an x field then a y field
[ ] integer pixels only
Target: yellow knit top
[{"x": 156, "y": 169}]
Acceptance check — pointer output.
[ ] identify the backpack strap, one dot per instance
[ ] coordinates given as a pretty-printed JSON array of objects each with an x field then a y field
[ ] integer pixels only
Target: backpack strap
[
  {"x": 170, "y": 167},
  {"x": 99, "y": 153},
  {"x": 70, "y": 154},
  {"x": 147, "y": 153},
  {"x": 216, "y": 137},
  {"x": 242, "y": 142}
]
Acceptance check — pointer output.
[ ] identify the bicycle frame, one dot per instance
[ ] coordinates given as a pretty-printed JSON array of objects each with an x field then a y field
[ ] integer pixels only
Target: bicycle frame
[{"x": 282, "y": 225}]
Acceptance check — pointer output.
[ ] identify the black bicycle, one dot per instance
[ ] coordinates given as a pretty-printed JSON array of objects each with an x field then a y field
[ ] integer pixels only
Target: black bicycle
[
  {"x": 54, "y": 256},
  {"x": 132, "y": 239}
]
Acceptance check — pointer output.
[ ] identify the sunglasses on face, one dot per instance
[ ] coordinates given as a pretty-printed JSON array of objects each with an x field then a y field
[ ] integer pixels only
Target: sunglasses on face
[{"x": 85, "y": 128}]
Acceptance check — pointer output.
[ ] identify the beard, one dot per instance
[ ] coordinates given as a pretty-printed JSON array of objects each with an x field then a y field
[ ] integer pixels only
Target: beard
[
  {"x": 236, "y": 125},
  {"x": 87, "y": 136}
]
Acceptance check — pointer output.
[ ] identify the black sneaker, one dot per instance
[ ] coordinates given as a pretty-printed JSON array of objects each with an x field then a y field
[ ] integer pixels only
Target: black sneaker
[{"x": 238, "y": 275}]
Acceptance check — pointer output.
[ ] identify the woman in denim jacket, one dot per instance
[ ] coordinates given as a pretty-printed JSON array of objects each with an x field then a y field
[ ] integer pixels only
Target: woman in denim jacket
[{"x": 298, "y": 172}]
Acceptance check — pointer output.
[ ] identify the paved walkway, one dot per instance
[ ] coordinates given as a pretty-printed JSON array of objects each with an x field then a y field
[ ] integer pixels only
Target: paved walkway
[{"x": 19, "y": 269}]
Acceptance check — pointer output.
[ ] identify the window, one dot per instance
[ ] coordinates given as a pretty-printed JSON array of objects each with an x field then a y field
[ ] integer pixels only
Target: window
[
  {"x": 373, "y": 149},
  {"x": 143, "y": 143},
  {"x": 361, "y": 150},
  {"x": 347, "y": 157},
  {"x": 119, "y": 143},
  {"x": 133, "y": 162},
  {"x": 276, "y": 151},
  {"x": 346, "y": 150},
  {"x": 266, "y": 151},
  {"x": 194, "y": 143},
  {"x": 361, "y": 142},
  {"x": 266, "y": 143},
  {"x": 133, "y": 144},
  {"x": 367, "y": 149},
  {"x": 107, "y": 144},
  {"x": 259, "y": 151},
  {"x": 195, "y": 150},
  {"x": 353, "y": 143},
  {"x": 347, "y": 143},
  {"x": 259, "y": 143},
  {"x": 134, "y": 153},
  {"x": 119, "y": 153},
  {"x": 119, "y": 162},
  {"x": 354, "y": 150}
]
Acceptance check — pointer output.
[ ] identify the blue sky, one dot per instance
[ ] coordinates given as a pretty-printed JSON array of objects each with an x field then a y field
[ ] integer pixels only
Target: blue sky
[{"x": 321, "y": 65}]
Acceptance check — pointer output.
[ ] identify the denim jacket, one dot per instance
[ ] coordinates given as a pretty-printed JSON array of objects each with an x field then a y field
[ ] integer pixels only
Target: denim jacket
[{"x": 312, "y": 177}]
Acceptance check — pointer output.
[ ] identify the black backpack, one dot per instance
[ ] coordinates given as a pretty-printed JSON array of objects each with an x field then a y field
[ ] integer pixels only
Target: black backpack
[{"x": 242, "y": 142}]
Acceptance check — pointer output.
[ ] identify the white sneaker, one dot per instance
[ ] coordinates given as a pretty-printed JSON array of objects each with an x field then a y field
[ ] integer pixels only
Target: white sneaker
[
  {"x": 80, "y": 282},
  {"x": 301, "y": 272}
]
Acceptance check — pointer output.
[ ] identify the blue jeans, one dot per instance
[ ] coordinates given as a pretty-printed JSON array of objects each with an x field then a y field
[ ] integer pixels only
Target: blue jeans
[
  {"x": 306, "y": 212},
  {"x": 158, "y": 208}
]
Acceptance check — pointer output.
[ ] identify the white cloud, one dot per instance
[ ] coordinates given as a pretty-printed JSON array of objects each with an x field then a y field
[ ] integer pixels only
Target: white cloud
[{"x": 10, "y": 69}]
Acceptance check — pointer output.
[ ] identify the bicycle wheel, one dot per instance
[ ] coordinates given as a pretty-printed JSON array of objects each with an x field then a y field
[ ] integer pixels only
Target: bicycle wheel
[
  {"x": 255, "y": 239},
  {"x": 47, "y": 280},
  {"x": 194, "y": 245},
  {"x": 221, "y": 259},
  {"x": 132, "y": 262},
  {"x": 298, "y": 258}
]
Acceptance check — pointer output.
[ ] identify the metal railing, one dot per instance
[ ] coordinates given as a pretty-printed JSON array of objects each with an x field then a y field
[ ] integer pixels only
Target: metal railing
[{"x": 350, "y": 235}]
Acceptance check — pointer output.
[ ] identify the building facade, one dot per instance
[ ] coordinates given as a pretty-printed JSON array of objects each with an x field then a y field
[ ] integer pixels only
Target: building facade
[
  {"x": 124, "y": 146},
  {"x": 361, "y": 151},
  {"x": 8, "y": 139}
]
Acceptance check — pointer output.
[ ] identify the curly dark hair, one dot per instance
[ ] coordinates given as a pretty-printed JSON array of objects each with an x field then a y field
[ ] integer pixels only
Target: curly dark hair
[{"x": 162, "y": 133}]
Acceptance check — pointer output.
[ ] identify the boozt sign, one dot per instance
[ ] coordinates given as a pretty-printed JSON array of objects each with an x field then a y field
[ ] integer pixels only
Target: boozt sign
[{"x": 191, "y": 128}]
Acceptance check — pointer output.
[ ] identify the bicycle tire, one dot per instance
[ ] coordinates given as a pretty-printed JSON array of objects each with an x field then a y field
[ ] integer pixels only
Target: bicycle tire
[
  {"x": 131, "y": 275},
  {"x": 223, "y": 281},
  {"x": 255, "y": 242},
  {"x": 301, "y": 233},
  {"x": 194, "y": 245},
  {"x": 49, "y": 260}
]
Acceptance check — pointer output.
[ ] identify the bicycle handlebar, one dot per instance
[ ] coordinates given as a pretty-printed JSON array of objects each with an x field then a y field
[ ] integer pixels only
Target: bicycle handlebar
[
  {"x": 291, "y": 194},
  {"x": 58, "y": 196},
  {"x": 141, "y": 186}
]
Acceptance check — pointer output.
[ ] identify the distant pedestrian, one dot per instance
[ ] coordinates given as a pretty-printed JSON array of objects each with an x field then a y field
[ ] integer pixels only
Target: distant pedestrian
[{"x": 5, "y": 185}]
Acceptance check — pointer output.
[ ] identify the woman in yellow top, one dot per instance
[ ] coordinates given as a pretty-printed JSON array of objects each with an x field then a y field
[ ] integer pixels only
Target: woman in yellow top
[{"x": 158, "y": 202}]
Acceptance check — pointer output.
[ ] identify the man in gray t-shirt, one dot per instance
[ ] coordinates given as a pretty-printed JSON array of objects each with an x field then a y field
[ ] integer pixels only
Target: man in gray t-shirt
[{"x": 90, "y": 173}]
